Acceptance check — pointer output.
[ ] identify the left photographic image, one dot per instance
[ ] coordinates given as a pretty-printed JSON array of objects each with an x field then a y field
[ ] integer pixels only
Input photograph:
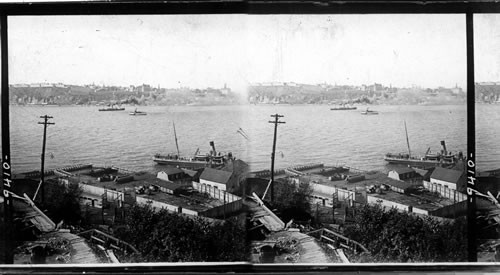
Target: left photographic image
[{"x": 135, "y": 121}]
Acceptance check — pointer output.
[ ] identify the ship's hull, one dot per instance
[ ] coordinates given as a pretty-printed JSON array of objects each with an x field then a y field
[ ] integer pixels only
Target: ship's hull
[
  {"x": 188, "y": 164},
  {"x": 109, "y": 110},
  {"x": 416, "y": 162},
  {"x": 343, "y": 109},
  {"x": 369, "y": 113}
]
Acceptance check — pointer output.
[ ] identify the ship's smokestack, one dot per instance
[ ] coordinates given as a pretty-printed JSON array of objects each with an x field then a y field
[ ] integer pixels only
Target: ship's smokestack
[
  {"x": 213, "y": 147},
  {"x": 443, "y": 144}
]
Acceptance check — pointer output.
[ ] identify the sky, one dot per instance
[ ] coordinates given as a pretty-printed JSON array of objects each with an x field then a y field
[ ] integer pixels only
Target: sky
[
  {"x": 200, "y": 51},
  {"x": 487, "y": 47}
]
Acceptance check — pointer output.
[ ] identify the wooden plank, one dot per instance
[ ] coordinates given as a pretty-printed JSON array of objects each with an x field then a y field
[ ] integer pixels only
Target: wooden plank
[
  {"x": 328, "y": 239},
  {"x": 342, "y": 256},
  {"x": 97, "y": 239},
  {"x": 112, "y": 256},
  {"x": 115, "y": 247}
]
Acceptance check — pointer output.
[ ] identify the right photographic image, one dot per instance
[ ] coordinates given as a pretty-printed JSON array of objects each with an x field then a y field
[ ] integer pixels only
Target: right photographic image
[
  {"x": 358, "y": 138},
  {"x": 487, "y": 128}
]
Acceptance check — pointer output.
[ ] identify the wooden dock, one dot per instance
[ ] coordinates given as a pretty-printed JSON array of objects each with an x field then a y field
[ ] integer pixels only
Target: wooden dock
[{"x": 81, "y": 253}]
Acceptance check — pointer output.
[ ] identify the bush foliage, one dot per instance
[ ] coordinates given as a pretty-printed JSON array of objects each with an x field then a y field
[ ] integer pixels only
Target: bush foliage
[
  {"x": 162, "y": 236},
  {"x": 393, "y": 236},
  {"x": 292, "y": 200},
  {"x": 63, "y": 202}
]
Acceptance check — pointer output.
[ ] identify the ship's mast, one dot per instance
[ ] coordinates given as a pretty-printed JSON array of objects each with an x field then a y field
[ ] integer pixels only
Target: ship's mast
[
  {"x": 407, "y": 140},
  {"x": 176, "y": 144}
]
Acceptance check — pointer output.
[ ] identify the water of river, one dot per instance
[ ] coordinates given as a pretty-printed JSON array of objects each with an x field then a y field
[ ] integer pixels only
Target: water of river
[
  {"x": 312, "y": 133},
  {"x": 487, "y": 132}
]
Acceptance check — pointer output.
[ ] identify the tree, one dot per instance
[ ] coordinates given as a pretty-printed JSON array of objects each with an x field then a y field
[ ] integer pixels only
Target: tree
[
  {"x": 393, "y": 236},
  {"x": 170, "y": 237},
  {"x": 63, "y": 202},
  {"x": 292, "y": 200}
]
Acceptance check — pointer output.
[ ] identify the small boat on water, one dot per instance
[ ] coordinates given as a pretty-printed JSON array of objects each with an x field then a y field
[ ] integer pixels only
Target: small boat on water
[
  {"x": 369, "y": 112},
  {"x": 137, "y": 113},
  {"x": 112, "y": 107},
  {"x": 442, "y": 158}
]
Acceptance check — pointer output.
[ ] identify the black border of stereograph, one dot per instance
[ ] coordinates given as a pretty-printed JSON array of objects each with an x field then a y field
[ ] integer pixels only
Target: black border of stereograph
[{"x": 468, "y": 9}]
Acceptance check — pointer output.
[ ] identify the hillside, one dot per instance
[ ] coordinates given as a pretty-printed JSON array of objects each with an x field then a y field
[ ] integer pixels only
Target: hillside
[
  {"x": 373, "y": 94},
  {"x": 142, "y": 95}
]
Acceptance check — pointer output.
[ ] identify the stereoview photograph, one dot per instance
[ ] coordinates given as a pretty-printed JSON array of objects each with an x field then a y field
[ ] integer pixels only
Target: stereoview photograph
[{"x": 249, "y": 138}]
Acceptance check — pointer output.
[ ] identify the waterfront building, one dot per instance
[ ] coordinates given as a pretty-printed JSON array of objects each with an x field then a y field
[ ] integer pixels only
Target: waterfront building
[
  {"x": 219, "y": 179},
  {"x": 402, "y": 173},
  {"x": 330, "y": 186},
  {"x": 448, "y": 178},
  {"x": 171, "y": 174}
]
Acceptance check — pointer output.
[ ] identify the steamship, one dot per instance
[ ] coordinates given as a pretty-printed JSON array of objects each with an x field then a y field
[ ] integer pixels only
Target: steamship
[
  {"x": 343, "y": 107},
  {"x": 212, "y": 159},
  {"x": 112, "y": 107},
  {"x": 442, "y": 158}
]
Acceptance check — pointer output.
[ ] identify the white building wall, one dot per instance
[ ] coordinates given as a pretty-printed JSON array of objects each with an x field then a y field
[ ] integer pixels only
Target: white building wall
[
  {"x": 444, "y": 183},
  {"x": 215, "y": 192},
  {"x": 420, "y": 211},
  {"x": 162, "y": 175},
  {"x": 445, "y": 192},
  {"x": 220, "y": 186},
  {"x": 159, "y": 205},
  {"x": 387, "y": 203},
  {"x": 321, "y": 191},
  {"x": 393, "y": 175},
  {"x": 99, "y": 191}
]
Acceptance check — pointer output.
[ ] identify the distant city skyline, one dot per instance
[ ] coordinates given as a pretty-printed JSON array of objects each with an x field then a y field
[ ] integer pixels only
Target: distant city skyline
[
  {"x": 200, "y": 51},
  {"x": 60, "y": 84}
]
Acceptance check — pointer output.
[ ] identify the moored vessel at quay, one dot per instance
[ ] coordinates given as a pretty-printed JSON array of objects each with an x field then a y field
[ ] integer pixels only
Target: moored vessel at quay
[
  {"x": 198, "y": 161},
  {"x": 441, "y": 158}
]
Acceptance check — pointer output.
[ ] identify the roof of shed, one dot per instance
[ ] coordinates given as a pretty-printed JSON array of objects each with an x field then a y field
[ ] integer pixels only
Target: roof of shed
[
  {"x": 215, "y": 175},
  {"x": 191, "y": 173},
  {"x": 448, "y": 175},
  {"x": 168, "y": 184},
  {"x": 171, "y": 170},
  {"x": 399, "y": 184},
  {"x": 403, "y": 170}
]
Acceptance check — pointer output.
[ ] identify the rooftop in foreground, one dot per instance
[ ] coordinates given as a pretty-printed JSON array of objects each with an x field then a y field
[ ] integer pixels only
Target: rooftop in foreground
[
  {"x": 421, "y": 198},
  {"x": 424, "y": 201},
  {"x": 195, "y": 201}
]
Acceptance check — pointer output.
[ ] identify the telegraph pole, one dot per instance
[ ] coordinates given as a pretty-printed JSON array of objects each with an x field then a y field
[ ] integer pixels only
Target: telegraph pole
[
  {"x": 42, "y": 171},
  {"x": 275, "y": 122}
]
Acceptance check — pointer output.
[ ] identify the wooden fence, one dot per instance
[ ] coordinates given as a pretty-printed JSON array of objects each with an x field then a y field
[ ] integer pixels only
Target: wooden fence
[
  {"x": 108, "y": 241},
  {"x": 445, "y": 192},
  {"x": 338, "y": 240},
  {"x": 223, "y": 210},
  {"x": 215, "y": 192},
  {"x": 451, "y": 211}
]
